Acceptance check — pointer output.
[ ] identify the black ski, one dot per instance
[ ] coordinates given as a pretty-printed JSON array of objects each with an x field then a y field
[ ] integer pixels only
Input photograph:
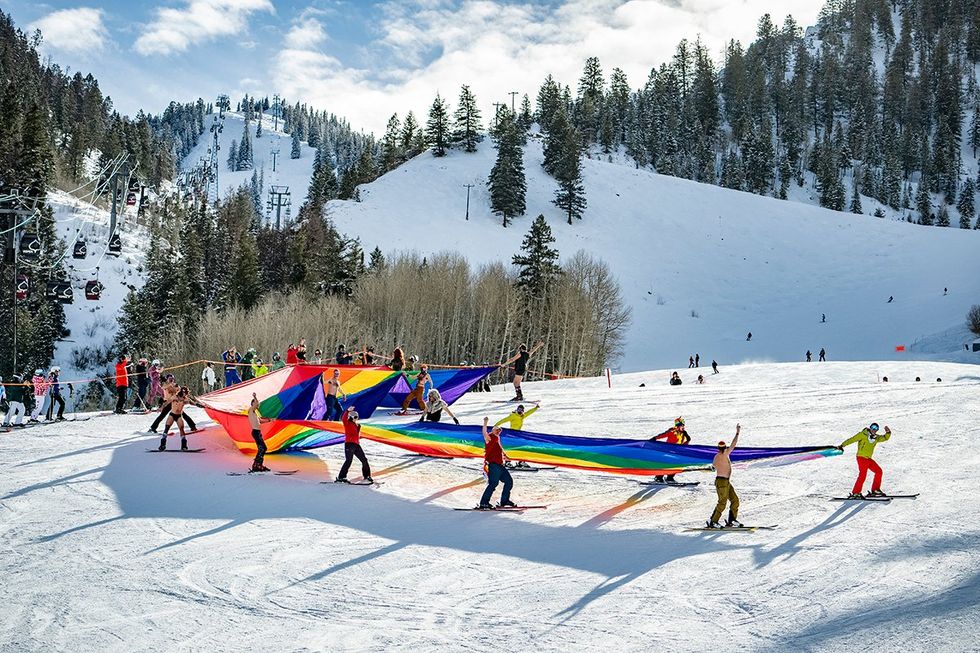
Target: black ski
[
  {"x": 351, "y": 483},
  {"x": 515, "y": 468},
  {"x": 174, "y": 451},
  {"x": 725, "y": 529},
  {"x": 691, "y": 484},
  {"x": 288, "y": 472},
  {"x": 870, "y": 499},
  {"x": 503, "y": 509}
]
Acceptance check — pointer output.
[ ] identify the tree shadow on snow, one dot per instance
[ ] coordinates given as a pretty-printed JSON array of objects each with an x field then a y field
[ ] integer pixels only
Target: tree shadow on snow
[{"x": 149, "y": 487}]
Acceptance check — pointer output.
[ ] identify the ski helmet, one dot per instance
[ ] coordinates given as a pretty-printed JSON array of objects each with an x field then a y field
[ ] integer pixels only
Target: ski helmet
[
  {"x": 873, "y": 427},
  {"x": 156, "y": 361},
  {"x": 39, "y": 372},
  {"x": 56, "y": 370},
  {"x": 276, "y": 356}
]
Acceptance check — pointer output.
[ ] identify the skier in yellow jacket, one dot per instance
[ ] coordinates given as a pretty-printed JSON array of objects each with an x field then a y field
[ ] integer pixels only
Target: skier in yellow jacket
[
  {"x": 515, "y": 422},
  {"x": 867, "y": 439}
]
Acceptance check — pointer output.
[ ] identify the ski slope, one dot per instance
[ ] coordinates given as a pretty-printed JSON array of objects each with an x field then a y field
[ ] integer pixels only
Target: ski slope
[
  {"x": 701, "y": 265},
  {"x": 110, "y": 548}
]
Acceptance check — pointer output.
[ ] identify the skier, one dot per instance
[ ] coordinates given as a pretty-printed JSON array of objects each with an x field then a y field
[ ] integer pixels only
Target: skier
[
  {"x": 277, "y": 363},
  {"x": 232, "y": 358},
  {"x": 40, "y": 394},
  {"x": 142, "y": 382},
  {"x": 723, "y": 485},
  {"x": 748, "y": 337},
  {"x": 15, "y": 401},
  {"x": 697, "y": 360},
  {"x": 891, "y": 298},
  {"x": 352, "y": 447},
  {"x": 823, "y": 356},
  {"x": 434, "y": 407},
  {"x": 122, "y": 383},
  {"x": 343, "y": 358},
  {"x": 331, "y": 390},
  {"x": 55, "y": 395},
  {"x": 418, "y": 392},
  {"x": 494, "y": 458},
  {"x": 809, "y": 356},
  {"x": 254, "y": 420},
  {"x": 690, "y": 362},
  {"x": 177, "y": 405},
  {"x": 170, "y": 391},
  {"x": 867, "y": 439},
  {"x": 823, "y": 318},
  {"x": 398, "y": 359},
  {"x": 156, "y": 385},
  {"x": 675, "y": 379},
  {"x": 207, "y": 377},
  {"x": 700, "y": 380},
  {"x": 714, "y": 366},
  {"x": 515, "y": 422},
  {"x": 945, "y": 291},
  {"x": 520, "y": 361},
  {"x": 677, "y": 434}
]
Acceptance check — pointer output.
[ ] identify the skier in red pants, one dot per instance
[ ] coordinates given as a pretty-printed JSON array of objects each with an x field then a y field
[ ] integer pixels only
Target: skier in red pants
[{"x": 866, "y": 441}]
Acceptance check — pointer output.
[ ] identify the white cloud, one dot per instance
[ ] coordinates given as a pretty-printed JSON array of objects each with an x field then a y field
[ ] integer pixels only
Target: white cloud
[
  {"x": 77, "y": 31},
  {"x": 432, "y": 45},
  {"x": 175, "y": 30},
  {"x": 308, "y": 34}
]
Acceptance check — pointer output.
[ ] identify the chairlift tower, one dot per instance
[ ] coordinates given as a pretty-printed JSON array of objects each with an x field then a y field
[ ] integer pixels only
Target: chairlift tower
[{"x": 279, "y": 199}]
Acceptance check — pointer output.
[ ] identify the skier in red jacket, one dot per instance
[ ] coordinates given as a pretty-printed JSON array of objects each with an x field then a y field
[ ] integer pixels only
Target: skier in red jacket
[
  {"x": 352, "y": 447},
  {"x": 122, "y": 383},
  {"x": 677, "y": 434}
]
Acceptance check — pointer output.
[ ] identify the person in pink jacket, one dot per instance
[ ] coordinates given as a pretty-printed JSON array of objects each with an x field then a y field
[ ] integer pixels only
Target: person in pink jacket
[
  {"x": 155, "y": 398},
  {"x": 40, "y": 383}
]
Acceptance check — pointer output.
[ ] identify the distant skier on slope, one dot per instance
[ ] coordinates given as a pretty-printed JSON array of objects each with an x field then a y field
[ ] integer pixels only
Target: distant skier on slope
[
  {"x": 867, "y": 439},
  {"x": 723, "y": 485},
  {"x": 255, "y": 421},
  {"x": 677, "y": 434},
  {"x": 748, "y": 337},
  {"x": 352, "y": 447},
  {"x": 823, "y": 356},
  {"x": 515, "y": 422},
  {"x": 809, "y": 356},
  {"x": 434, "y": 407},
  {"x": 520, "y": 361},
  {"x": 714, "y": 366},
  {"x": 494, "y": 458},
  {"x": 690, "y": 362},
  {"x": 675, "y": 379},
  {"x": 697, "y": 360},
  {"x": 891, "y": 298}
]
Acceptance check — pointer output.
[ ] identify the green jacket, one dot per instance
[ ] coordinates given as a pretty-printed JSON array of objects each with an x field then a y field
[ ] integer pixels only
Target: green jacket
[
  {"x": 866, "y": 444},
  {"x": 515, "y": 421}
]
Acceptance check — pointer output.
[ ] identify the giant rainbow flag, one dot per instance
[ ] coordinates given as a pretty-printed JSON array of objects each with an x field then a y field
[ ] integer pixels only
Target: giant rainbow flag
[{"x": 451, "y": 383}]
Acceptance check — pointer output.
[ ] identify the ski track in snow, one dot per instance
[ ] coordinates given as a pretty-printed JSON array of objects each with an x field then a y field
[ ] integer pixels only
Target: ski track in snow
[{"x": 107, "y": 548}]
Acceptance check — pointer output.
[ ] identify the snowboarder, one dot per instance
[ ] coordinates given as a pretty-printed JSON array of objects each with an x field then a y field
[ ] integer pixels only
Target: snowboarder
[
  {"x": 254, "y": 420},
  {"x": 714, "y": 366},
  {"x": 122, "y": 383},
  {"x": 352, "y": 447},
  {"x": 675, "y": 379},
  {"x": 332, "y": 393},
  {"x": 690, "y": 362},
  {"x": 520, "y": 360},
  {"x": 55, "y": 395},
  {"x": 207, "y": 377},
  {"x": 177, "y": 405},
  {"x": 494, "y": 458},
  {"x": 343, "y": 358},
  {"x": 809, "y": 356},
  {"x": 748, "y": 337},
  {"x": 418, "y": 392},
  {"x": 15, "y": 400},
  {"x": 434, "y": 407},
  {"x": 677, "y": 434},
  {"x": 232, "y": 358},
  {"x": 156, "y": 384},
  {"x": 723, "y": 484},
  {"x": 823, "y": 356},
  {"x": 697, "y": 360},
  {"x": 867, "y": 439},
  {"x": 170, "y": 390},
  {"x": 40, "y": 384}
]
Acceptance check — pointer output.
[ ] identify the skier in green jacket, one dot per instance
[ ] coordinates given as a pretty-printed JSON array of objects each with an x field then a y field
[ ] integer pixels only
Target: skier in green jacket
[
  {"x": 867, "y": 439},
  {"x": 515, "y": 422}
]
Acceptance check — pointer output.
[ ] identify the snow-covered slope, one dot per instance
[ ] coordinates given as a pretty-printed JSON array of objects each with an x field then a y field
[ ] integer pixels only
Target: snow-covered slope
[
  {"x": 109, "y": 548},
  {"x": 702, "y": 265}
]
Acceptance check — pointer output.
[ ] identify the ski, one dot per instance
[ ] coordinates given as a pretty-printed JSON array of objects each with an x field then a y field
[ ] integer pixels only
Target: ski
[
  {"x": 352, "y": 483},
  {"x": 288, "y": 472},
  {"x": 174, "y": 451},
  {"x": 691, "y": 484},
  {"x": 902, "y": 496},
  {"x": 528, "y": 469},
  {"x": 723, "y": 529},
  {"x": 425, "y": 455},
  {"x": 869, "y": 499},
  {"x": 506, "y": 509}
]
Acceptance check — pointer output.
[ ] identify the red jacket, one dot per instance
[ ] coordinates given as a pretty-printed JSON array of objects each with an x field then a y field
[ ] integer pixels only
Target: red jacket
[
  {"x": 122, "y": 374},
  {"x": 291, "y": 356},
  {"x": 493, "y": 452},
  {"x": 674, "y": 435},
  {"x": 352, "y": 430}
]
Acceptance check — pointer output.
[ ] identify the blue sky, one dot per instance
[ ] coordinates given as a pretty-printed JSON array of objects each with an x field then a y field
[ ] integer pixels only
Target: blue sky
[{"x": 366, "y": 59}]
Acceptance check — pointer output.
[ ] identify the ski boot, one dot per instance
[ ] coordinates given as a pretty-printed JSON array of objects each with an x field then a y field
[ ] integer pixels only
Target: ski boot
[
  {"x": 855, "y": 495},
  {"x": 341, "y": 480},
  {"x": 658, "y": 479},
  {"x": 734, "y": 523},
  {"x": 522, "y": 465},
  {"x": 368, "y": 480},
  {"x": 713, "y": 524},
  {"x": 183, "y": 444},
  {"x": 507, "y": 504},
  {"x": 258, "y": 467},
  {"x": 485, "y": 506},
  {"x": 163, "y": 444},
  {"x": 669, "y": 480},
  {"x": 508, "y": 464},
  {"x": 877, "y": 493}
]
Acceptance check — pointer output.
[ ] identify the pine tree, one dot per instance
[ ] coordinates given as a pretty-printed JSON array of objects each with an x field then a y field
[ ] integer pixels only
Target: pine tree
[
  {"x": 437, "y": 127},
  {"x": 296, "y": 152},
  {"x": 377, "y": 261},
  {"x": 965, "y": 205},
  {"x": 245, "y": 150},
  {"x": 466, "y": 132},
  {"x": 233, "y": 156},
  {"x": 407, "y": 138},
  {"x": 391, "y": 150},
  {"x": 508, "y": 186},
  {"x": 855, "y": 197},
  {"x": 923, "y": 203},
  {"x": 570, "y": 196},
  {"x": 943, "y": 220},
  {"x": 525, "y": 118},
  {"x": 258, "y": 127},
  {"x": 538, "y": 261},
  {"x": 256, "y": 192}
]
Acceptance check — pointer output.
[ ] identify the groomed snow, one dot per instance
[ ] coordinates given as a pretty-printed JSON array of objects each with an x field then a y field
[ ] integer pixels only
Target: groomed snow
[{"x": 109, "y": 548}]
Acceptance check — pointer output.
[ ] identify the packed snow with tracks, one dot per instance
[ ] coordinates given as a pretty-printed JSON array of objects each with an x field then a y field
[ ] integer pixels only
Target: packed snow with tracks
[{"x": 110, "y": 548}]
